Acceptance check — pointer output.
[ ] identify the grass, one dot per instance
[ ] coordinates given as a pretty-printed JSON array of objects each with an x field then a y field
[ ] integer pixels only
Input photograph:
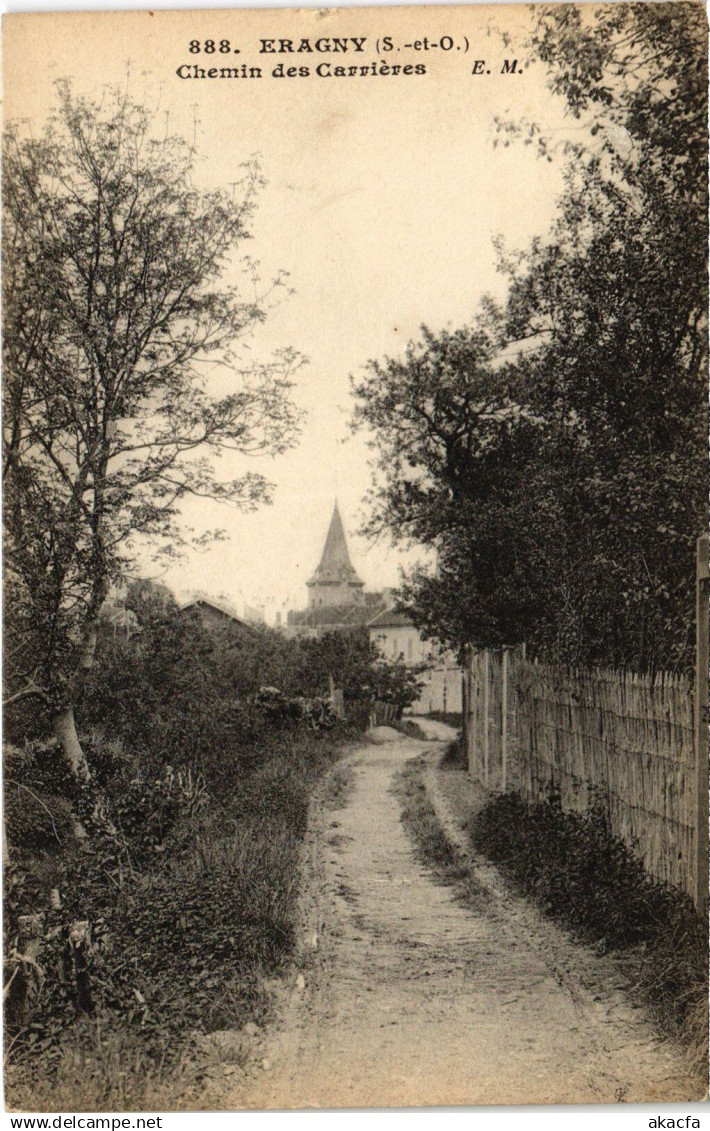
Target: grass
[
  {"x": 454, "y": 756},
  {"x": 185, "y": 941},
  {"x": 432, "y": 845},
  {"x": 412, "y": 730},
  {"x": 578, "y": 873},
  {"x": 338, "y": 786},
  {"x": 100, "y": 1066},
  {"x": 451, "y": 718}
]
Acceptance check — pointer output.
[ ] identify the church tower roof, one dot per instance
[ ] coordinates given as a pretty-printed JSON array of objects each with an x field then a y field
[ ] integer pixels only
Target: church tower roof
[{"x": 335, "y": 566}]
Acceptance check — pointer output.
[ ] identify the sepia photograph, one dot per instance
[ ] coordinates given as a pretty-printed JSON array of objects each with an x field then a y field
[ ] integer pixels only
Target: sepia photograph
[{"x": 355, "y": 532}]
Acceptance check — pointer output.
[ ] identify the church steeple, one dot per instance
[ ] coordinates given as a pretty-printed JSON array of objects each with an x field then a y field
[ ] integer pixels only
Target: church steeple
[{"x": 335, "y": 581}]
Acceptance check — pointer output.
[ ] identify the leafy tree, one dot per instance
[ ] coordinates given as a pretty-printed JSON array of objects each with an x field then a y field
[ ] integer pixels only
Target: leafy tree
[
  {"x": 357, "y": 667},
  {"x": 553, "y": 451},
  {"x": 177, "y": 692},
  {"x": 619, "y": 374},
  {"x": 459, "y": 457},
  {"x": 619, "y": 294},
  {"x": 118, "y": 308},
  {"x": 636, "y": 76},
  {"x": 183, "y": 694}
]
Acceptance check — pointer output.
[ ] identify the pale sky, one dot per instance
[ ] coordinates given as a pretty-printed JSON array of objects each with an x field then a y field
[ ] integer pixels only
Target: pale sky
[{"x": 383, "y": 195}]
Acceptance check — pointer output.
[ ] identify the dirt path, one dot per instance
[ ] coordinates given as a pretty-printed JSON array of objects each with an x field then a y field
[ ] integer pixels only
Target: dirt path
[{"x": 407, "y": 998}]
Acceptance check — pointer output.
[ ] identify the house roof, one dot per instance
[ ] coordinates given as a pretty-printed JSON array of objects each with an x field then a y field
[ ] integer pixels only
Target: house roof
[
  {"x": 211, "y": 603},
  {"x": 334, "y": 616},
  {"x": 335, "y": 566},
  {"x": 391, "y": 618}
]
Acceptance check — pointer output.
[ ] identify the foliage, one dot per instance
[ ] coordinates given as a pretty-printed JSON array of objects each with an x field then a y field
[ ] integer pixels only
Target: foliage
[
  {"x": 552, "y": 452},
  {"x": 145, "y": 809},
  {"x": 433, "y": 847},
  {"x": 192, "y": 904},
  {"x": 582, "y": 875},
  {"x": 208, "y": 803},
  {"x": 357, "y": 668},
  {"x": 624, "y": 355},
  {"x": 346, "y": 656},
  {"x": 178, "y": 693},
  {"x": 185, "y": 695},
  {"x": 638, "y": 70},
  {"x": 114, "y": 300},
  {"x": 37, "y": 803}
]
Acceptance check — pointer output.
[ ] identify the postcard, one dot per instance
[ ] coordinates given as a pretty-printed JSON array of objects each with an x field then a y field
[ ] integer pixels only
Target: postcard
[{"x": 355, "y": 557}]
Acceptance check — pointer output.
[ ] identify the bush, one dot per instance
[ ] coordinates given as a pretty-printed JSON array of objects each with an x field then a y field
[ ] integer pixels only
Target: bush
[
  {"x": 574, "y": 867},
  {"x": 454, "y": 757},
  {"x": 191, "y": 905},
  {"x": 36, "y": 821},
  {"x": 581, "y": 874},
  {"x": 192, "y": 894},
  {"x": 38, "y": 795}
]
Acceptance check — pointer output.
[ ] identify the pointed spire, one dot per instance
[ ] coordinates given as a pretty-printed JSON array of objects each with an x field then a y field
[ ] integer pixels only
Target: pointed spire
[{"x": 335, "y": 566}]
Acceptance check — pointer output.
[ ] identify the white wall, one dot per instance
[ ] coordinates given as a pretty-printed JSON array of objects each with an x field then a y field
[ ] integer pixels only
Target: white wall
[
  {"x": 442, "y": 691},
  {"x": 401, "y": 641}
]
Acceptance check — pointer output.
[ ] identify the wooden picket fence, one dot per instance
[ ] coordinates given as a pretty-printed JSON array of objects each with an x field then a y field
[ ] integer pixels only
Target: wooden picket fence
[
  {"x": 383, "y": 714},
  {"x": 594, "y": 736}
]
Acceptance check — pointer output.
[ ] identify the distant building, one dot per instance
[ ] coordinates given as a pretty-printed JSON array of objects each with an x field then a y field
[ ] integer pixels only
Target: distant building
[
  {"x": 213, "y": 613},
  {"x": 337, "y": 599},
  {"x": 335, "y": 584},
  {"x": 397, "y": 638},
  {"x": 333, "y": 618}
]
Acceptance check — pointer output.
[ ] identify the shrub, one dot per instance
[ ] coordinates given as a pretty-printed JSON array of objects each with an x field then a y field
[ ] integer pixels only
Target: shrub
[
  {"x": 454, "y": 757},
  {"x": 38, "y": 795},
  {"x": 581, "y": 874},
  {"x": 192, "y": 898},
  {"x": 36, "y": 821},
  {"x": 191, "y": 905}
]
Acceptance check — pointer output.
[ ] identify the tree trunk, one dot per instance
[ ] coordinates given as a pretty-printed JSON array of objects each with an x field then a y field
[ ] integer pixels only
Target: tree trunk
[
  {"x": 64, "y": 727},
  {"x": 78, "y": 964},
  {"x": 64, "y": 724}
]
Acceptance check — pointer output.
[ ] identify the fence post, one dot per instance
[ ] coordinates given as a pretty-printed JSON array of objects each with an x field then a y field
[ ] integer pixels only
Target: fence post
[
  {"x": 701, "y": 725},
  {"x": 339, "y": 703},
  {"x": 486, "y": 734},
  {"x": 470, "y": 737},
  {"x": 28, "y": 975},
  {"x": 504, "y": 723}
]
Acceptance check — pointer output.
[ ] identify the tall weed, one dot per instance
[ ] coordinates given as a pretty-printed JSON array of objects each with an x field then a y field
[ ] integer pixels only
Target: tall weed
[{"x": 579, "y": 873}]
